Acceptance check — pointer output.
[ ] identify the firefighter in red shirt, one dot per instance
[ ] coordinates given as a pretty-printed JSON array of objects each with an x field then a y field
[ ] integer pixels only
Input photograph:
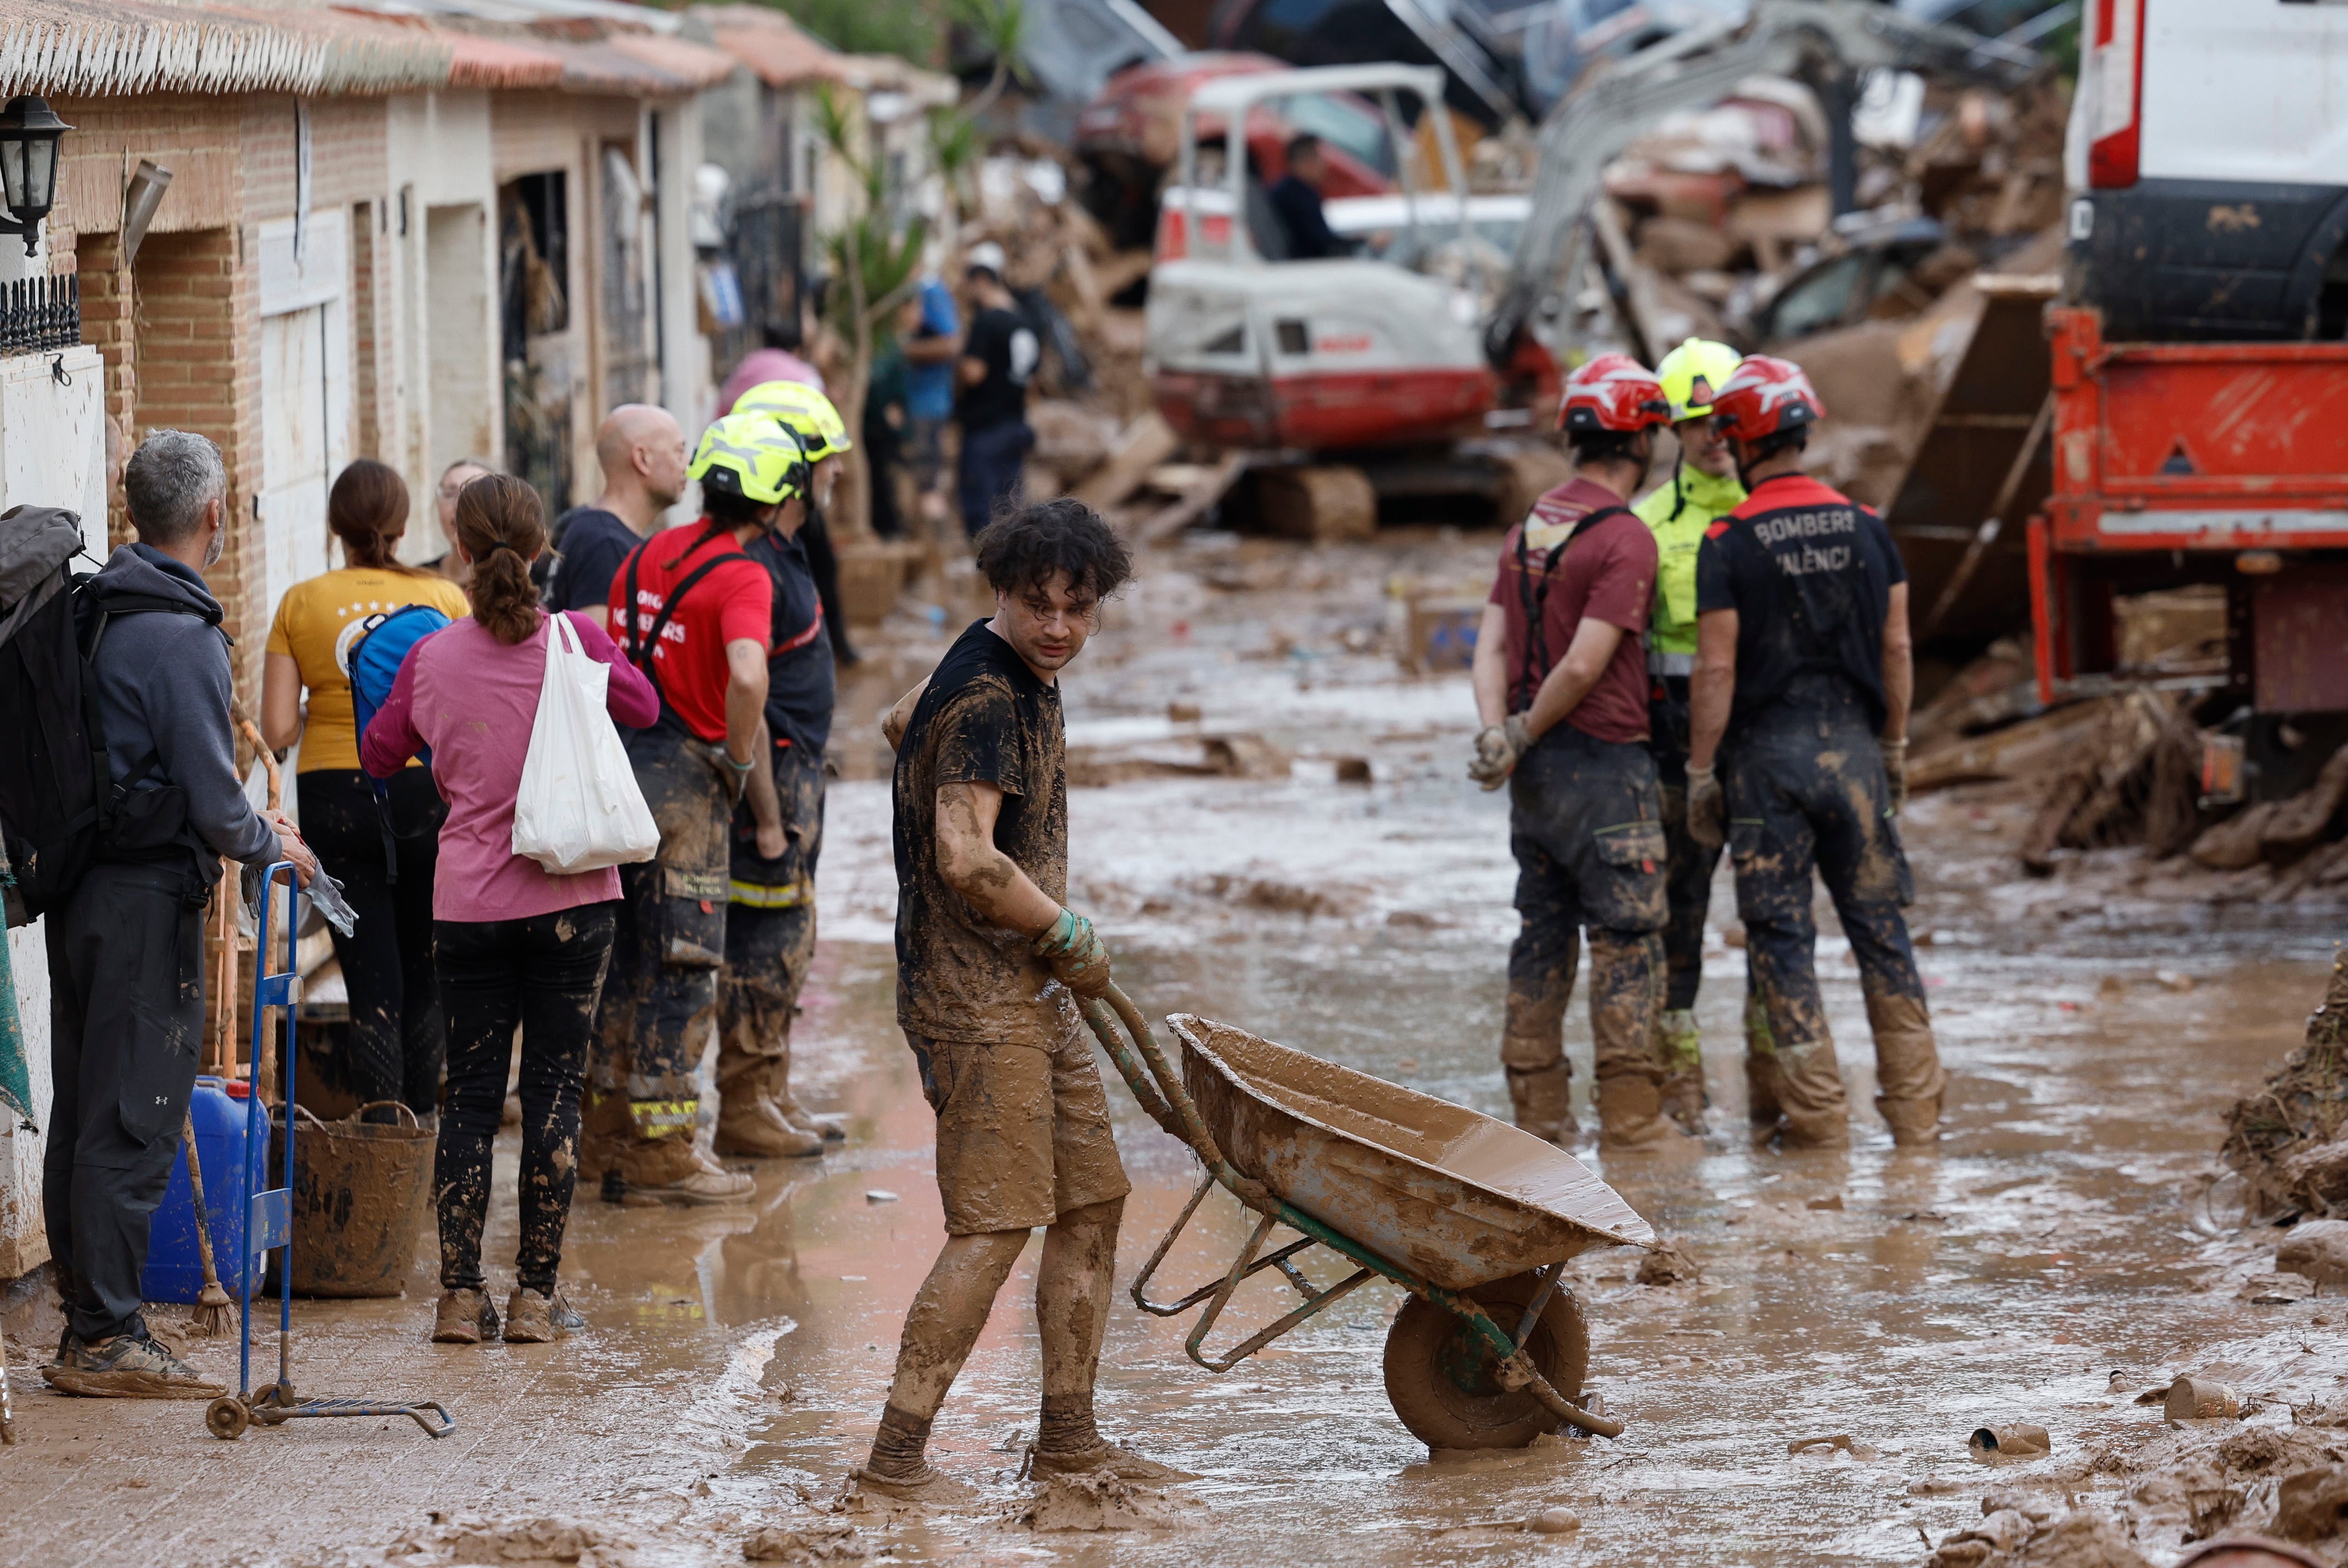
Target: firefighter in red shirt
[
  {"x": 693, "y": 612},
  {"x": 1560, "y": 678},
  {"x": 1798, "y": 754}
]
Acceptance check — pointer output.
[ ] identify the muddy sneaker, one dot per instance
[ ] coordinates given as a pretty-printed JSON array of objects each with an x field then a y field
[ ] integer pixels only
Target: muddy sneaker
[
  {"x": 464, "y": 1317},
  {"x": 932, "y": 1488},
  {"x": 535, "y": 1319},
  {"x": 129, "y": 1367},
  {"x": 672, "y": 1170},
  {"x": 1105, "y": 1459},
  {"x": 752, "y": 1127}
]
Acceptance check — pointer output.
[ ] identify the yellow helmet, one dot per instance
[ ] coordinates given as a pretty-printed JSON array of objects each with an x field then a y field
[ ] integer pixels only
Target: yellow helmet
[
  {"x": 809, "y": 412},
  {"x": 1692, "y": 373},
  {"x": 755, "y": 456}
]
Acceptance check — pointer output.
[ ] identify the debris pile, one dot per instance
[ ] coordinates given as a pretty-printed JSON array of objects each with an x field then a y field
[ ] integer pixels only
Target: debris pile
[{"x": 2286, "y": 1140}]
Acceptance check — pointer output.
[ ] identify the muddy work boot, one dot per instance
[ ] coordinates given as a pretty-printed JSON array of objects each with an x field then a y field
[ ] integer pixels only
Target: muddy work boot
[
  {"x": 752, "y": 1127},
  {"x": 464, "y": 1317},
  {"x": 898, "y": 1465},
  {"x": 1543, "y": 1102},
  {"x": 1631, "y": 1117},
  {"x": 930, "y": 1486},
  {"x": 1102, "y": 1459},
  {"x": 532, "y": 1318},
  {"x": 1678, "y": 1046},
  {"x": 673, "y": 1171},
  {"x": 1906, "y": 1069},
  {"x": 132, "y": 1366}
]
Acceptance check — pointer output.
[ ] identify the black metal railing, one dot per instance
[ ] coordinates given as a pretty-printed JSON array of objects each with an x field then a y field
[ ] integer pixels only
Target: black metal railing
[{"x": 40, "y": 313}]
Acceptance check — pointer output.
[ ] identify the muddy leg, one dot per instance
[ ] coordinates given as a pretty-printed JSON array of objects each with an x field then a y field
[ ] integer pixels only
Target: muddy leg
[
  {"x": 1072, "y": 1297},
  {"x": 482, "y": 988},
  {"x": 942, "y": 1324},
  {"x": 754, "y": 1025},
  {"x": 1623, "y": 966},
  {"x": 1687, "y": 888},
  {"x": 1762, "y": 1104},
  {"x": 1541, "y": 963},
  {"x": 1774, "y": 848},
  {"x": 567, "y": 952}
]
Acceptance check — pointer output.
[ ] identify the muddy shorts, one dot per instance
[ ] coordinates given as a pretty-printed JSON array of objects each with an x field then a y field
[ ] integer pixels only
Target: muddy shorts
[{"x": 1023, "y": 1132}]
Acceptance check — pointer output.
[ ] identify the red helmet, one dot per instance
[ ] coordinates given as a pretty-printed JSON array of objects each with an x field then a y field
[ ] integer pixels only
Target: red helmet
[
  {"x": 1612, "y": 392},
  {"x": 1765, "y": 397}
]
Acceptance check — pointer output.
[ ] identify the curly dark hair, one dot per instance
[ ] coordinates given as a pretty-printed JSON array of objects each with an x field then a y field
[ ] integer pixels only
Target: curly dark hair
[{"x": 1026, "y": 549}]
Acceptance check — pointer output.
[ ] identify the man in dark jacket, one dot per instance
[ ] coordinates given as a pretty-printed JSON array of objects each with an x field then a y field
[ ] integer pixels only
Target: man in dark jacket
[
  {"x": 126, "y": 953},
  {"x": 1296, "y": 197}
]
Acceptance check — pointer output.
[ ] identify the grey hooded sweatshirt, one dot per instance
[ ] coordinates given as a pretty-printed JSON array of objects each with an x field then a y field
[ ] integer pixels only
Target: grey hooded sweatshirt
[{"x": 163, "y": 694}]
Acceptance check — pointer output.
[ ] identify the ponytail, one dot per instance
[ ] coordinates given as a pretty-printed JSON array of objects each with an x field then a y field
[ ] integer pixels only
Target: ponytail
[
  {"x": 367, "y": 509},
  {"x": 502, "y": 527}
]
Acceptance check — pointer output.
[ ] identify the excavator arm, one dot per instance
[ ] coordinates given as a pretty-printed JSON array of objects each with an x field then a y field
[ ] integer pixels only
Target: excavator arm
[{"x": 1825, "y": 43}]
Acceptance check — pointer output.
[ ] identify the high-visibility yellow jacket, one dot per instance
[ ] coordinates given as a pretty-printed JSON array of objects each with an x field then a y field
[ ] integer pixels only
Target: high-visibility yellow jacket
[{"x": 1679, "y": 511}]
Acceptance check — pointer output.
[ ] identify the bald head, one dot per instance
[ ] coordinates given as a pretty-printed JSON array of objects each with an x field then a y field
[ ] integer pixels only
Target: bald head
[{"x": 641, "y": 450}]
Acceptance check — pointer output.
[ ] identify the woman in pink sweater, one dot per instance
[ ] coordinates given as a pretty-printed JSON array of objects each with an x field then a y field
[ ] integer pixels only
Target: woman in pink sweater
[{"x": 512, "y": 942}]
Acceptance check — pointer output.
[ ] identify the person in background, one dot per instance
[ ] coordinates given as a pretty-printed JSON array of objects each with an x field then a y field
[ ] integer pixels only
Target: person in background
[
  {"x": 773, "y": 362},
  {"x": 770, "y": 905},
  {"x": 516, "y": 945},
  {"x": 997, "y": 359},
  {"x": 932, "y": 344},
  {"x": 381, "y": 849},
  {"x": 127, "y": 952},
  {"x": 884, "y": 429},
  {"x": 1703, "y": 488},
  {"x": 1560, "y": 682},
  {"x": 453, "y": 481},
  {"x": 1295, "y": 197},
  {"x": 694, "y": 613},
  {"x": 641, "y": 453}
]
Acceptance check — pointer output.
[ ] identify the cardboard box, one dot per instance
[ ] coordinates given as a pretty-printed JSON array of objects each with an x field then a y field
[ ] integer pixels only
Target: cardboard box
[{"x": 1439, "y": 634}]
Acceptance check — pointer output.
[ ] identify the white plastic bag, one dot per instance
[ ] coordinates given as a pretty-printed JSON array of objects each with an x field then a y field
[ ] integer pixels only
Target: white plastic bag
[{"x": 579, "y": 808}]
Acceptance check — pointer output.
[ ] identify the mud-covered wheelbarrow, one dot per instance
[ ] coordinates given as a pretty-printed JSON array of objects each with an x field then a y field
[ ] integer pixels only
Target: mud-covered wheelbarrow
[{"x": 1475, "y": 1218}]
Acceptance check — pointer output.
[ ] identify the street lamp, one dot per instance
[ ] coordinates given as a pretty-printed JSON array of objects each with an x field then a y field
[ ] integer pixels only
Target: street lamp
[{"x": 29, "y": 131}]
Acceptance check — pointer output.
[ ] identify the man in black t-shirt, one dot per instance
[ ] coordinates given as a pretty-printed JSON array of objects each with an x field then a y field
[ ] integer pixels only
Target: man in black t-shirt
[
  {"x": 770, "y": 906},
  {"x": 641, "y": 450},
  {"x": 1802, "y": 683},
  {"x": 1295, "y": 196},
  {"x": 997, "y": 358},
  {"x": 987, "y": 960}
]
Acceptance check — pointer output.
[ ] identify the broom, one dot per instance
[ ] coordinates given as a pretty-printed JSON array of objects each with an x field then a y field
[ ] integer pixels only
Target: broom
[{"x": 212, "y": 1306}]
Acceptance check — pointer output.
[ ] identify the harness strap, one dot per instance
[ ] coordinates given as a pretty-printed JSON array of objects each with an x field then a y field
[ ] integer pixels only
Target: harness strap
[{"x": 1535, "y": 604}]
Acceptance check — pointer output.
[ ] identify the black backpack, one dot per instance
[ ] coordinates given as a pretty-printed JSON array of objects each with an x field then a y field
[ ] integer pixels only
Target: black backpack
[{"x": 58, "y": 808}]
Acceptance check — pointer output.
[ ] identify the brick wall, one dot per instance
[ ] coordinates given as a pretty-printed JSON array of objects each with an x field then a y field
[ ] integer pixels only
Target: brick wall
[{"x": 108, "y": 311}]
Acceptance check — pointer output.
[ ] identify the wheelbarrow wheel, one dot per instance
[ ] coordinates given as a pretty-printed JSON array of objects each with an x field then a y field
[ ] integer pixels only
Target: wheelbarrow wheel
[{"x": 1445, "y": 1382}]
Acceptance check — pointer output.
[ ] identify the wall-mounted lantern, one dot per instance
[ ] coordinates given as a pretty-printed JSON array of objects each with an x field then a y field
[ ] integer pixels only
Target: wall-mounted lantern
[{"x": 29, "y": 131}]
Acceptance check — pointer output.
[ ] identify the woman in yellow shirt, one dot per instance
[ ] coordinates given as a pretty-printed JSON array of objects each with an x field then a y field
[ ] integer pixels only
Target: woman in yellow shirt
[{"x": 381, "y": 854}]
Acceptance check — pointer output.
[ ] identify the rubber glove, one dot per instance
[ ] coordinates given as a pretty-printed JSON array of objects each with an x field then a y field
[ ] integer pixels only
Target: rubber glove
[
  {"x": 1078, "y": 960},
  {"x": 1707, "y": 810},
  {"x": 1895, "y": 768},
  {"x": 1497, "y": 749}
]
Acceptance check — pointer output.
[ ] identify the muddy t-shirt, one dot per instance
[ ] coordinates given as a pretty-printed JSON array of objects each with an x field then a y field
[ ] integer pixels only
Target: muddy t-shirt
[
  {"x": 1809, "y": 573},
  {"x": 1553, "y": 573},
  {"x": 984, "y": 719}
]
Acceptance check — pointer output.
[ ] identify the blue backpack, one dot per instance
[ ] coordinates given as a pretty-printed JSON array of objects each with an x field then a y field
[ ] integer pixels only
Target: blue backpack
[{"x": 383, "y": 644}]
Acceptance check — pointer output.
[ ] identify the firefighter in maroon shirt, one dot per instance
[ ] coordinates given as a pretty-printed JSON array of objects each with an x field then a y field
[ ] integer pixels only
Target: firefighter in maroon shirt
[
  {"x": 1803, "y": 678},
  {"x": 1561, "y": 682}
]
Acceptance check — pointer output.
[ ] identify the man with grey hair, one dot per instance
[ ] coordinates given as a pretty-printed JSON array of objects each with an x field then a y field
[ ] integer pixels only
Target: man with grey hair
[{"x": 126, "y": 953}]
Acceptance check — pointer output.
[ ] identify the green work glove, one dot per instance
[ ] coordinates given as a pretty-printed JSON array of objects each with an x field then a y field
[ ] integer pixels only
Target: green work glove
[
  {"x": 1707, "y": 817},
  {"x": 1497, "y": 751},
  {"x": 1895, "y": 769},
  {"x": 1078, "y": 960}
]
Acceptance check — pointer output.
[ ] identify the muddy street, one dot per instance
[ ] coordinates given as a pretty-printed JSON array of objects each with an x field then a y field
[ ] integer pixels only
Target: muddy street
[{"x": 2062, "y": 1251}]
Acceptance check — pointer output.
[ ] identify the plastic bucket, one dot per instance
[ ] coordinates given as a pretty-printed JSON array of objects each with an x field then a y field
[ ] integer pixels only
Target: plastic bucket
[
  {"x": 175, "y": 1269},
  {"x": 359, "y": 1193}
]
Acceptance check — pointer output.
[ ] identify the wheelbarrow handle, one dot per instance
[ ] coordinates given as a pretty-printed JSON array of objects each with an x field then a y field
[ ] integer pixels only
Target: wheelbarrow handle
[{"x": 1156, "y": 1084}]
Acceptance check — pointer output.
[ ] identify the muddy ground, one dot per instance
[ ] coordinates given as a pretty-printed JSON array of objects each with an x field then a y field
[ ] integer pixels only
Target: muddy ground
[{"x": 2061, "y": 1251}]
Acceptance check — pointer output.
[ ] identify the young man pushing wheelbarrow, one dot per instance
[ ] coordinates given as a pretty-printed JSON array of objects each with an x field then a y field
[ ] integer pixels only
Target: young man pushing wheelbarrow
[{"x": 989, "y": 965}]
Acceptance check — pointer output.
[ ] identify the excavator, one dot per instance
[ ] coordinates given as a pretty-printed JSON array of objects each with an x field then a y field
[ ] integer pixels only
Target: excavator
[{"x": 1423, "y": 365}]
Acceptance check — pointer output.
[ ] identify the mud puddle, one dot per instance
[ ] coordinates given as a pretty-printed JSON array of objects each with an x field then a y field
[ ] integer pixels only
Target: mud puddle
[{"x": 2062, "y": 1234}]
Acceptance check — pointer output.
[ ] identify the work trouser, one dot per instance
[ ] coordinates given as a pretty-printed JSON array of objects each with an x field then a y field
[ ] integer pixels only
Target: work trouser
[
  {"x": 126, "y": 1024},
  {"x": 398, "y": 1038},
  {"x": 1687, "y": 879},
  {"x": 669, "y": 936},
  {"x": 1585, "y": 825},
  {"x": 988, "y": 475},
  {"x": 1806, "y": 789},
  {"x": 769, "y": 931}
]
